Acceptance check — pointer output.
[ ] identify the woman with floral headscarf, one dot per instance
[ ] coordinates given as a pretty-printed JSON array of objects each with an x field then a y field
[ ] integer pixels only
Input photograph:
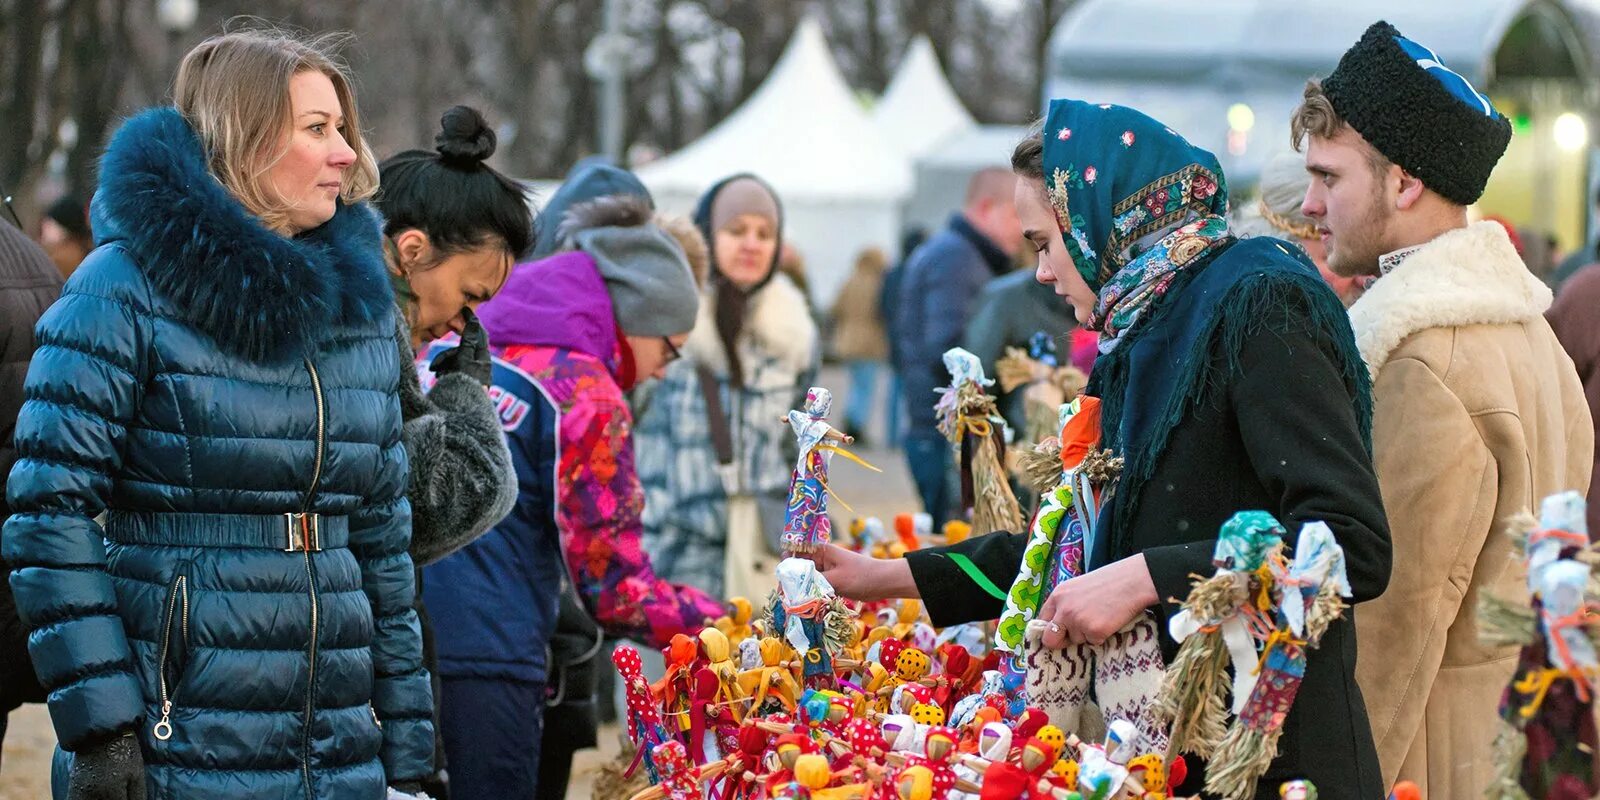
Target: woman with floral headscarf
[{"x": 1228, "y": 380}]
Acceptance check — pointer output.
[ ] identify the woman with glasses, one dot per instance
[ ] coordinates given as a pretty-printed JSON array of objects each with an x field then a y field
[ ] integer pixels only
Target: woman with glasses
[{"x": 571, "y": 334}]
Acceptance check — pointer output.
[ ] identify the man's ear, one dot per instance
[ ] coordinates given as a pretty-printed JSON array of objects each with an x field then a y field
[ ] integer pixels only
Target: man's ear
[
  {"x": 414, "y": 247},
  {"x": 1410, "y": 188}
]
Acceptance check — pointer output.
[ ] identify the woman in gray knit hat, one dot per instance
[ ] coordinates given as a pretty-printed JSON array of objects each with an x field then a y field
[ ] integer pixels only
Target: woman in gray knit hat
[{"x": 571, "y": 334}]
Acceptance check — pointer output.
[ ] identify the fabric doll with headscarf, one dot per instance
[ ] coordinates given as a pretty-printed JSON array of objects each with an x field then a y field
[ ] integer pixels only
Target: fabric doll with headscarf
[
  {"x": 1547, "y": 747},
  {"x": 812, "y": 619},
  {"x": 806, "y": 526},
  {"x": 969, "y": 418}
]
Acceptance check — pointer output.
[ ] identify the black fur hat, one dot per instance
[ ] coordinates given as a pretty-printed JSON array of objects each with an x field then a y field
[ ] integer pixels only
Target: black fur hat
[{"x": 1419, "y": 114}]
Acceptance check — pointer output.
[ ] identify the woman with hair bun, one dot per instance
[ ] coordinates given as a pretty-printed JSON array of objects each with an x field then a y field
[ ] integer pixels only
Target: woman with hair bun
[
  {"x": 219, "y": 380},
  {"x": 453, "y": 228}
]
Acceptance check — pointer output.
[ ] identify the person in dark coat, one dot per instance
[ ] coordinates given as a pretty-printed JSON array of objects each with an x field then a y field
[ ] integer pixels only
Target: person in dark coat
[
  {"x": 889, "y": 310},
  {"x": 29, "y": 283},
  {"x": 453, "y": 227},
  {"x": 219, "y": 379},
  {"x": 1230, "y": 382},
  {"x": 938, "y": 296},
  {"x": 64, "y": 233}
]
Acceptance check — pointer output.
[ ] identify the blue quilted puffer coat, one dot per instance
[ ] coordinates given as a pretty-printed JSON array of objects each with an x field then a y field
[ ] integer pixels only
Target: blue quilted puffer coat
[{"x": 227, "y": 396}]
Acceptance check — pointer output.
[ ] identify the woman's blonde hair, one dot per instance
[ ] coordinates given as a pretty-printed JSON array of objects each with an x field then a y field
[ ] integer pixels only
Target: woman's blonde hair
[{"x": 234, "y": 90}]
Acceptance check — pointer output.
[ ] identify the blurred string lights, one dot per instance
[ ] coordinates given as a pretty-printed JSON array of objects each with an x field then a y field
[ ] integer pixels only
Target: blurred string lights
[
  {"x": 1241, "y": 120},
  {"x": 1569, "y": 131}
]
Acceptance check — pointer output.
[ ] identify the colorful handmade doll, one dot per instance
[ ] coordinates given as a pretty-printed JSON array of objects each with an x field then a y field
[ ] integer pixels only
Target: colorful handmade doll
[
  {"x": 1023, "y": 781},
  {"x": 1547, "y": 749},
  {"x": 771, "y": 687},
  {"x": 1214, "y": 630},
  {"x": 993, "y": 744},
  {"x": 680, "y": 778},
  {"x": 736, "y": 625},
  {"x": 938, "y": 755},
  {"x": 969, "y": 418},
  {"x": 1309, "y": 597},
  {"x": 814, "y": 621},
  {"x": 1301, "y": 790},
  {"x": 788, "y": 748},
  {"x": 675, "y": 690},
  {"x": 645, "y": 727},
  {"x": 806, "y": 527},
  {"x": 816, "y": 774},
  {"x": 1151, "y": 773},
  {"x": 1103, "y": 770},
  {"x": 719, "y": 657},
  {"x": 737, "y": 779}
]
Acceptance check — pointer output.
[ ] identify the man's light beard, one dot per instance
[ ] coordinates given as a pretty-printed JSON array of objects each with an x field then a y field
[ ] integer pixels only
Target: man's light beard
[{"x": 1355, "y": 254}]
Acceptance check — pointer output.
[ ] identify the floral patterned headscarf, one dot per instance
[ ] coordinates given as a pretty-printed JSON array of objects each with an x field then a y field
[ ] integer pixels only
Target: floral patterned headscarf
[{"x": 1136, "y": 204}]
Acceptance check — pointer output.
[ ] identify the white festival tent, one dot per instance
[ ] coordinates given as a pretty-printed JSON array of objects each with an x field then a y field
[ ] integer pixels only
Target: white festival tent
[
  {"x": 804, "y": 132},
  {"x": 919, "y": 110}
]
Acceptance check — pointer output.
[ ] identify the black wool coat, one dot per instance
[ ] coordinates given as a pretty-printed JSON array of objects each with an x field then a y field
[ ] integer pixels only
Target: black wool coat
[{"x": 1276, "y": 430}]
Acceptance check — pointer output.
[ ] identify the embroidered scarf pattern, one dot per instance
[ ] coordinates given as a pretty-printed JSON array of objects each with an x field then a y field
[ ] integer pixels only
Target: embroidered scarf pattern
[{"x": 1136, "y": 204}]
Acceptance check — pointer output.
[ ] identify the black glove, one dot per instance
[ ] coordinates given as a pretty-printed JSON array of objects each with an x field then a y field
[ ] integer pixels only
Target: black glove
[
  {"x": 108, "y": 770},
  {"x": 471, "y": 357}
]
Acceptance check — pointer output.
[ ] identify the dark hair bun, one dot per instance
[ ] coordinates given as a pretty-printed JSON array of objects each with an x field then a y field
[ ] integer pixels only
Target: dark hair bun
[{"x": 465, "y": 138}]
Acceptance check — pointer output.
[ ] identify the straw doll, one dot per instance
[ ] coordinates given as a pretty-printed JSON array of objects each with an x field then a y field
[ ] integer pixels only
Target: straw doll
[{"x": 969, "y": 419}]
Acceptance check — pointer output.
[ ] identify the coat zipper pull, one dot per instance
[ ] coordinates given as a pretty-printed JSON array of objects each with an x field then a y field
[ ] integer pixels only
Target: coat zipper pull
[{"x": 163, "y": 729}]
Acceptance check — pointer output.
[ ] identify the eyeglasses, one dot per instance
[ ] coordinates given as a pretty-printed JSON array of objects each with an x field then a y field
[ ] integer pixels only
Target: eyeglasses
[{"x": 673, "y": 353}]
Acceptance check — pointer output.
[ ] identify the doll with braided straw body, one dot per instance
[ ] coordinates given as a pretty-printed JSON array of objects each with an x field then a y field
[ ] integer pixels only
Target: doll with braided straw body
[{"x": 969, "y": 418}]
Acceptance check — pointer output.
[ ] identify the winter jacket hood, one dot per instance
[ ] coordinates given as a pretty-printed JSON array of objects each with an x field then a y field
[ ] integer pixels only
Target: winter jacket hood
[
  {"x": 158, "y": 198},
  {"x": 589, "y": 180},
  {"x": 559, "y": 301}
]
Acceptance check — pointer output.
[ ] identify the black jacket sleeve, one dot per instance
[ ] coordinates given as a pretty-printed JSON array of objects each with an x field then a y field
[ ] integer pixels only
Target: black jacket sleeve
[
  {"x": 1298, "y": 423},
  {"x": 951, "y": 596}
]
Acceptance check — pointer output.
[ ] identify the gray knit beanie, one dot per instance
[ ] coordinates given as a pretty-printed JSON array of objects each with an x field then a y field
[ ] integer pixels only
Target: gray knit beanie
[{"x": 652, "y": 291}]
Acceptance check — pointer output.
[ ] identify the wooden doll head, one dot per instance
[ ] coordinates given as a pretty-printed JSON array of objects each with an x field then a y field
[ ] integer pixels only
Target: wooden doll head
[
  {"x": 741, "y": 610},
  {"x": 914, "y": 783},
  {"x": 1054, "y": 737},
  {"x": 941, "y": 743},
  {"x": 927, "y": 714}
]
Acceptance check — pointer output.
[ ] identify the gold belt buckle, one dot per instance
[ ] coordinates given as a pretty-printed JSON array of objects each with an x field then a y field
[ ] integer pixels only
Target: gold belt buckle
[{"x": 303, "y": 532}]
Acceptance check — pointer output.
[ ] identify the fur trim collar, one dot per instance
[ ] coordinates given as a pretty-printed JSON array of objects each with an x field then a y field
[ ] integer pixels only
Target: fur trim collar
[
  {"x": 611, "y": 211},
  {"x": 259, "y": 295},
  {"x": 777, "y": 323},
  {"x": 1471, "y": 276}
]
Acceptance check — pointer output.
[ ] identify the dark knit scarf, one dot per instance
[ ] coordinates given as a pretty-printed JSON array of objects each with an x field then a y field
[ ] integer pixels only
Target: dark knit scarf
[
  {"x": 1141, "y": 212},
  {"x": 730, "y": 300},
  {"x": 1186, "y": 349}
]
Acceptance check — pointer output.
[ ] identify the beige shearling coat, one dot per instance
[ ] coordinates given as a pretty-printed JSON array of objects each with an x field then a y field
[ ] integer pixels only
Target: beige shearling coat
[{"x": 1478, "y": 416}]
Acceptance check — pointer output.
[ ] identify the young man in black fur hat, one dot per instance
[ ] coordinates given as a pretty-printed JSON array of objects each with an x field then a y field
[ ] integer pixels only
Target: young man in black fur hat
[{"x": 1478, "y": 412}]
